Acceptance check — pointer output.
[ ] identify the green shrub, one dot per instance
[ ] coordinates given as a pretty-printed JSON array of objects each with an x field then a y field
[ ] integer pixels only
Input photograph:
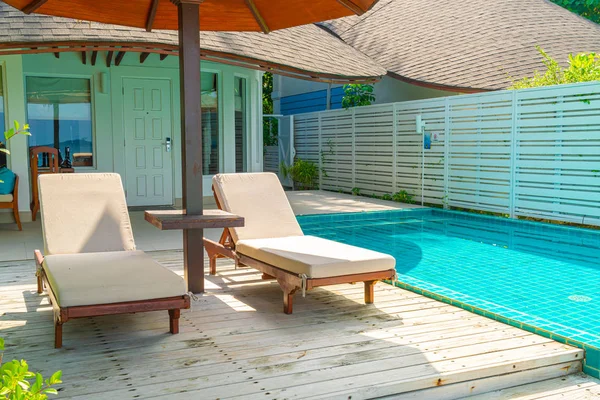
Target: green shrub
[
  {"x": 17, "y": 382},
  {"x": 589, "y": 9},
  {"x": 583, "y": 67},
  {"x": 403, "y": 197},
  {"x": 387, "y": 196},
  {"x": 357, "y": 94},
  {"x": 305, "y": 174},
  {"x": 356, "y": 191}
]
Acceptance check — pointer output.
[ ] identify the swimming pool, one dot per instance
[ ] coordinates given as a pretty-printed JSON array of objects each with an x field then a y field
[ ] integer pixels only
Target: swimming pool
[{"x": 541, "y": 277}]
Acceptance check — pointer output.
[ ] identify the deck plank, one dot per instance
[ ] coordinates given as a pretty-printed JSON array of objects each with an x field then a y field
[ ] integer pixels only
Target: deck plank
[
  {"x": 236, "y": 343},
  {"x": 573, "y": 387}
]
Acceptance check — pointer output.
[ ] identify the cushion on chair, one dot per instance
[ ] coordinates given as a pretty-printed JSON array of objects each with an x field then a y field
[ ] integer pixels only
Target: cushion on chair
[
  {"x": 6, "y": 198},
  {"x": 7, "y": 181},
  {"x": 109, "y": 277},
  {"x": 315, "y": 257},
  {"x": 260, "y": 199},
  {"x": 84, "y": 213}
]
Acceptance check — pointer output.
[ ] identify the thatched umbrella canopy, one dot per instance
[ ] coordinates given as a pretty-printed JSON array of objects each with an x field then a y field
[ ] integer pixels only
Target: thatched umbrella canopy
[{"x": 189, "y": 17}]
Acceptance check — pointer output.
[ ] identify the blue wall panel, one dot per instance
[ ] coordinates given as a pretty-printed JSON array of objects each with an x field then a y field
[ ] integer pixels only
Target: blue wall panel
[
  {"x": 305, "y": 102},
  {"x": 311, "y": 101},
  {"x": 337, "y": 93}
]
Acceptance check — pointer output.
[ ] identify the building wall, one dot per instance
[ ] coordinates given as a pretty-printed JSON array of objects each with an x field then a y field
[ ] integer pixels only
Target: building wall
[
  {"x": 107, "y": 104},
  {"x": 296, "y": 96}
]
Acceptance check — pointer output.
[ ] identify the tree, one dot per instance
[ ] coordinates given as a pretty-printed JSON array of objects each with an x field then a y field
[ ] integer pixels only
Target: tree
[
  {"x": 356, "y": 95},
  {"x": 583, "y": 67},
  {"x": 589, "y": 9},
  {"x": 270, "y": 125}
]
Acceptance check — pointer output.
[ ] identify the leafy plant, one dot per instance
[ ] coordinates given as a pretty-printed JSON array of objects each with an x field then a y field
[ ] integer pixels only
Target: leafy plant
[
  {"x": 356, "y": 191},
  {"x": 17, "y": 382},
  {"x": 304, "y": 173},
  {"x": 16, "y": 130},
  {"x": 270, "y": 125},
  {"x": 583, "y": 67},
  {"x": 387, "y": 196},
  {"x": 403, "y": 197},
  {"x": 324, "y": 158},
  {"x": 357, "y": 94}
]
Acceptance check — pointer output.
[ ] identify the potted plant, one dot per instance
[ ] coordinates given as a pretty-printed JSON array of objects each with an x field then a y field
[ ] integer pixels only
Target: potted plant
[{"x": 305, "y": 174}]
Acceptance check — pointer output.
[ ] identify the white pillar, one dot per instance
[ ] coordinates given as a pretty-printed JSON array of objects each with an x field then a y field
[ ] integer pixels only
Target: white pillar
[{"x": 18, "y": 160}]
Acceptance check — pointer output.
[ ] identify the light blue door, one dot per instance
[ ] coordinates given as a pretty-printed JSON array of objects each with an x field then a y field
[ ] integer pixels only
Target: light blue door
[{"x": 148, "y": 141}]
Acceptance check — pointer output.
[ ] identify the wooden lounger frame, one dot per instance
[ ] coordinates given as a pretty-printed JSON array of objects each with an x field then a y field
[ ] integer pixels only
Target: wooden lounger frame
[
  {"x": 64, "y": 314},
  {"x": 290, "y": 282}
]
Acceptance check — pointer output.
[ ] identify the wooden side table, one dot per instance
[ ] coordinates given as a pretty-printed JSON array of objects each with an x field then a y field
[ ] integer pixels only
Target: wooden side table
[{"x": 178, "y": 219}]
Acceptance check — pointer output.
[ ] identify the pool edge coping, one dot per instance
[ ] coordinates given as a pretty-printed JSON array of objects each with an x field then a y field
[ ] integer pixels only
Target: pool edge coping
[{"x": 589, "y": 350}]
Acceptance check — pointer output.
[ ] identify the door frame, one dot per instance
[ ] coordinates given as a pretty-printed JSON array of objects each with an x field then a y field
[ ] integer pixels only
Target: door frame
[
  {"x": 119, "y": 138},
  {"x": 247, "y": 119}
]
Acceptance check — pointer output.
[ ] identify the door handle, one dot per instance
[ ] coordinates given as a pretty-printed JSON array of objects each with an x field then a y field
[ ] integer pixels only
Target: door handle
[{"x": 167, "y": 143}]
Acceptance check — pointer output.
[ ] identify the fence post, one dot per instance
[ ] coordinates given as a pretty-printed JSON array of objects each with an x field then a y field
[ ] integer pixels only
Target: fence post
[
  {"x": 513, "y": 155},
  {"x": 353, "y": 147},
  {"x": 447, "y": 133},
  {"x": 394, "y": 148},
  {"x": 292, "y": 139},
  {"x": 320, "y": 153}
]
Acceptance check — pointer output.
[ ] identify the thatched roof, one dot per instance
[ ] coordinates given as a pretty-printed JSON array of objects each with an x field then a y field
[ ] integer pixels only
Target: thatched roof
[
  {"x": 468, "y": 45},
  {"x": 306, "y": 51}
]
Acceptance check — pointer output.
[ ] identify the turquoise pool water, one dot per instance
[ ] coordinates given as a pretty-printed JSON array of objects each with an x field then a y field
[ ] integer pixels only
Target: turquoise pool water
[{"x": 538, "y": 274}]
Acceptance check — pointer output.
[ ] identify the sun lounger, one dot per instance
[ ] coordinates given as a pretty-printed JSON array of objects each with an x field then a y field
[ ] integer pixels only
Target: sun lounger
[
  {"x": 90, "y": 265},
  {"x": 273, "y": 242}
]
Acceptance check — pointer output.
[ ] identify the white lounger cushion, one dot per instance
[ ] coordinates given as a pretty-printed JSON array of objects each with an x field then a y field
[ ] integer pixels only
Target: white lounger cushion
[
  {"x": 260, "y": 199},
  {"x": 109, "y": 277},
  {"x": 84, "y": 213},
  {"x": 315, "y": 257}
]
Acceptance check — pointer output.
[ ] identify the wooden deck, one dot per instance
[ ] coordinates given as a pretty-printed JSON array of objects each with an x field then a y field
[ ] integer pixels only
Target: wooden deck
[
  {"x": 237, "y": 343},
  {"x": 572, "y": 387}
]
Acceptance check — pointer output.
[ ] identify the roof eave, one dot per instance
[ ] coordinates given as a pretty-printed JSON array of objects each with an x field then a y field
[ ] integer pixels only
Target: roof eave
[{"x": 8, "y": 48}]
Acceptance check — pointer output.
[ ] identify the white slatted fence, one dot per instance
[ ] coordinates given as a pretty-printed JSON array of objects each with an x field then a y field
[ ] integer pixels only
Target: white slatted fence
[{"x": 533, "y": 152}]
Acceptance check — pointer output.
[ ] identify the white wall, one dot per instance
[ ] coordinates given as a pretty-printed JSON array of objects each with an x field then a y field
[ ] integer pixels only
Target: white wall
[
  {"x": 390, "y": 90},
  {"x": 12, "y": 68},
  {"x": 108, "y": 110}
]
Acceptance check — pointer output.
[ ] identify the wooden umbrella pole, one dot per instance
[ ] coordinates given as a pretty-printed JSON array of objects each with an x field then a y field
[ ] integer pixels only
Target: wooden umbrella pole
[{"x": 191, "y": 139}]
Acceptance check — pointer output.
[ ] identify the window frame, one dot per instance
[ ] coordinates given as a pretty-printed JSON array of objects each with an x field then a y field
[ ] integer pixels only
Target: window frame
[
  {"x": 4, "y": 95},
  {"x": 5, "y": 107},
  {"x": 90, "y": 78},
  {"x": 220, "y": 115}
]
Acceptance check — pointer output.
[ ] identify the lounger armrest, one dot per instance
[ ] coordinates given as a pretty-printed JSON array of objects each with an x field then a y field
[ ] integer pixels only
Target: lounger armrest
[{"x": 39, "y": 258}]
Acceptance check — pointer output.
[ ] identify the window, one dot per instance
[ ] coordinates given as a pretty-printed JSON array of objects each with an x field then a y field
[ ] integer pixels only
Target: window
[
  {"x": 241, "y": 140},
  {"x": 2, "y": 118},
  {"x": 210, "y": 123},
  {"x": 59, "y": 112}
]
